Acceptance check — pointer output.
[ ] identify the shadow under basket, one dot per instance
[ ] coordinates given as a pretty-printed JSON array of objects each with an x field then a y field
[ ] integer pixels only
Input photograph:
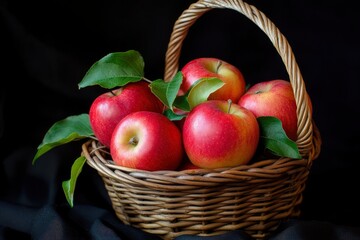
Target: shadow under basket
[{"x": 255, "y": 198}]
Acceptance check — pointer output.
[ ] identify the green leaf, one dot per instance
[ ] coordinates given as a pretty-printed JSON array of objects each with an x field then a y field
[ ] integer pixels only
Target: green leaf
[
  {"x": 274, "y": 138},
  {"x": 173, "y": 116},
  {"x": 67, "y": 130},
  {"x": 182, "y": 103},
  {"x": 167, "y": 91},
  {"x": 202, "y": 89},
  {"x": 115, "y": 70},
  {"x": 69, "y": 185}
]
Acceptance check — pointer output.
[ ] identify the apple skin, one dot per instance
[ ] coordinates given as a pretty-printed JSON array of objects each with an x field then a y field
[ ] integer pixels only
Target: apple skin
[
  {"x": 109, "y": 108},
  {"x": 273, "y": 98},
  {"x": 216, "y": 138},
  {"x": 207, "y": 67},
  {"x": 147, "y": 141}
]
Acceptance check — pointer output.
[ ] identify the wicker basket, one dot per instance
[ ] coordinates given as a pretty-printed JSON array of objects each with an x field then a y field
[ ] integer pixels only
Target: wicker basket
[{"x": 255, "y": 198}]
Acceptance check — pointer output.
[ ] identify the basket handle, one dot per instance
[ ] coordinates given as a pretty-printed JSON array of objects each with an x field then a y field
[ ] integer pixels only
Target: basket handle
[{"x": 197, "y": 9}]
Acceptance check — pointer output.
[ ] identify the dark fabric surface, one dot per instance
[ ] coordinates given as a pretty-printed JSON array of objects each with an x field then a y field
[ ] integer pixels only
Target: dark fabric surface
[
  {"x": 36, "y": 209},
  {"x": 47, "y": 46}
]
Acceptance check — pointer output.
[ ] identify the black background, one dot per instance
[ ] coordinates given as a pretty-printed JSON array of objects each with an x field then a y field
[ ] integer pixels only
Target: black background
[{"x": 47, "y": 47}]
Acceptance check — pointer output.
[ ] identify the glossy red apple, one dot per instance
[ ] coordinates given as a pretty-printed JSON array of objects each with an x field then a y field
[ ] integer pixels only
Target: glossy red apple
[
  {"x": 110, "y": 107},
  {"x": 219, "y": 134},
  {"x": 148, "y": 141},
  {"x": 273, "y": 98},
  {"x": 207, "y": 67}
]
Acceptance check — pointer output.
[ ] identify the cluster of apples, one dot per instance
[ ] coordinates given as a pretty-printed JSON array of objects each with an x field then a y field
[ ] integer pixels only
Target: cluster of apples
[{"x": 221, "y": 131}]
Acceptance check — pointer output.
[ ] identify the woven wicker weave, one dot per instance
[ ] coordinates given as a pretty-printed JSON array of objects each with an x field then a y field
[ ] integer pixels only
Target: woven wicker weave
[{"x": 255, "y": 198}]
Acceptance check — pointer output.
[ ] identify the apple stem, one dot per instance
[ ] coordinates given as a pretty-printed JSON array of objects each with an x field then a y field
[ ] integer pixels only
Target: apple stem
[
  {"x": 134, "y": 141},
  {"x": 219, "y": 63},
  {"x": 111, "y": 91},
  {"x": 94, "y": 138},
  {"x": 147, "y": 80},
  {"x": 229, "y": 102}
]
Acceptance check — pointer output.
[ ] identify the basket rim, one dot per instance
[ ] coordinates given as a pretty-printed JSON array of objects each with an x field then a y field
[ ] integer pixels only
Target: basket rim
[{"x": 99, "y": 158}]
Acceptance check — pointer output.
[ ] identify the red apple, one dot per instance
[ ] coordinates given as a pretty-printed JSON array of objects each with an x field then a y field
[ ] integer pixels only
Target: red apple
[
  {"x": 198, "y": 68},
  {"x": 219, "y": 134},
  {"x": 148, "y": 141},
  {"x": 110, "y": 107},
  {"x": 273, "y": 98}
]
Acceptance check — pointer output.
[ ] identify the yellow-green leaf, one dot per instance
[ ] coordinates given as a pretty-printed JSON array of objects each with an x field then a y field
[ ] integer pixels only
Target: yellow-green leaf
[
  {"x": 202, "y": 89},
  {"x": 69, "y": 185}
]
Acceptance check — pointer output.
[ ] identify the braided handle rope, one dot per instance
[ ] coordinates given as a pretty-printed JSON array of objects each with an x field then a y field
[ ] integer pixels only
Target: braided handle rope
[{"x": 197, "y": 9}]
